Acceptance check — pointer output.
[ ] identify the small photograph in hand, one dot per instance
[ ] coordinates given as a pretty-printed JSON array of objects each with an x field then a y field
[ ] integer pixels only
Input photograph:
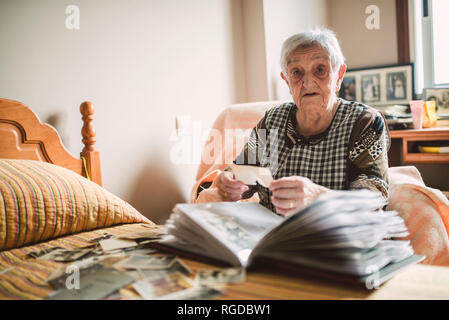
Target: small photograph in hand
[{"x": 251, "y": 175}]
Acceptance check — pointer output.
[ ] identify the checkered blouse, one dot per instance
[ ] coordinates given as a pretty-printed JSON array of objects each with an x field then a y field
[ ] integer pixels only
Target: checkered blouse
[{"x": 350, "y": 154}]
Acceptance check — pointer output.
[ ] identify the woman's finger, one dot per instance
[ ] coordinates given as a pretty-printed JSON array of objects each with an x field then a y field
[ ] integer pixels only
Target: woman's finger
[
  {"x": 231, "y": 182},
  {"x": 287, "y": 182},
  {"x": 287, "y": 204},
  {"x": 235, "y": 189},
  {"x": 232, "y": 190},
  {"x": 224, "y": 194},
  {"x": 235, "y": 197},
  {"x": 231, "y": 194},
  {"x": 225, "y": 180},
  {"x": 288, "y": 193}
]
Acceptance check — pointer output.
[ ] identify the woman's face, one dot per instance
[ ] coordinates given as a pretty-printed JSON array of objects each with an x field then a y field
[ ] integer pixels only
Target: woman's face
[{"x": 312, "y": 81}]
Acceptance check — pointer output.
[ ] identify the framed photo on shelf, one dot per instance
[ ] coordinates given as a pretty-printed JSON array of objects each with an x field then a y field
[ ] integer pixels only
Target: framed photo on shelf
[
  {"x": 379, "y": 86},
  {"x": 441, "y": 98}
]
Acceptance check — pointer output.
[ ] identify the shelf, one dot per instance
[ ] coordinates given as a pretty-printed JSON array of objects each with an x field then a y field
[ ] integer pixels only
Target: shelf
[
  {"x": 437, "y": 132},
  {"x": 410, "y": 140},
  {"x": 426, "y": 158}
]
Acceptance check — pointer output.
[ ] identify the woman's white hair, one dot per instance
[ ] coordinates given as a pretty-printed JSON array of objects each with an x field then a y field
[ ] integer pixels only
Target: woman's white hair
[{"x": 322, "y": 37}]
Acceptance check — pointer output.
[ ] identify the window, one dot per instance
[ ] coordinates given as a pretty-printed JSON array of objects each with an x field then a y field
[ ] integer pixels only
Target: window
[
  {"x": 440, "y": 27},
  {"x": 431, "y": 45}
]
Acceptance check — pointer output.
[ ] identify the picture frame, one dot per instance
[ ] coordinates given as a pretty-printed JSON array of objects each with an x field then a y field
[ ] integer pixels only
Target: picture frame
[
  {"x": 379, "y": 86},
  {"x": 441, "y": 98}
]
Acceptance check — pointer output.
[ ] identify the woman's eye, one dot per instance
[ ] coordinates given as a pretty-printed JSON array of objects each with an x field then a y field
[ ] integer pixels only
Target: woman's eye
[
  {"x": 321, "y": 70},
  {"x": 295, "y": 74}
]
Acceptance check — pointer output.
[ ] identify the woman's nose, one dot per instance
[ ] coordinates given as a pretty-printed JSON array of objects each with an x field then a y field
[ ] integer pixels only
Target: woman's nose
[{"x": 306, "y": 80}]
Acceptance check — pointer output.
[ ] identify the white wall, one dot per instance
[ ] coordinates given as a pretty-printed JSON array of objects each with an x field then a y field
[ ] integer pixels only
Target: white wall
[
  {"x": 254, "y": 50},
  {"x": 363, "y": 47},
  {"x": 284, "y": 18},
  {"x": 141, "y": 63}
]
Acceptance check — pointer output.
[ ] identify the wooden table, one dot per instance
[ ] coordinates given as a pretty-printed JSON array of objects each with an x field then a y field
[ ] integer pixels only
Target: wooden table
[{"x": 415, "y": 282}]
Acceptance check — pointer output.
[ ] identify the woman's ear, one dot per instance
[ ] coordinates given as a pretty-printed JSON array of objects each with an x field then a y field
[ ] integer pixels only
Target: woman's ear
[
  {"x": 285, "y": 79},
  {"x": 341, "y": 74}
]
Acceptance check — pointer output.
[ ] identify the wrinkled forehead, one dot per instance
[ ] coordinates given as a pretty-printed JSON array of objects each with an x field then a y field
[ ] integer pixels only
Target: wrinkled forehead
[{"x": 306, "y": 53}]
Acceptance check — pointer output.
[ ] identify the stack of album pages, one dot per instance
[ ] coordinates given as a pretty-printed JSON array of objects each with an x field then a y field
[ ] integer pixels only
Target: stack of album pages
[{"x": 342, "y": 232}]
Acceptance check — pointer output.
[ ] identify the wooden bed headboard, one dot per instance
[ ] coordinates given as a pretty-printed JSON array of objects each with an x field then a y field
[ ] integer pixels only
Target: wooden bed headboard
[{"x": 24, "y": 136}]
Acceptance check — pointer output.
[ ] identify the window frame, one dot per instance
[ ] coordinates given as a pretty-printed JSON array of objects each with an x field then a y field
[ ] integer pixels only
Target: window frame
[{"x": 424, "y": 48}]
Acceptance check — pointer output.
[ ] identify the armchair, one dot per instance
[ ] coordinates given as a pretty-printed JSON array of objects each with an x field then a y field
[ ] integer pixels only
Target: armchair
[{"x": 425, "y": 210}]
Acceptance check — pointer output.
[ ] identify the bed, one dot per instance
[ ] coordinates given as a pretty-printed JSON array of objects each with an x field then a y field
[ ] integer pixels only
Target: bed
[{"x": 50, "y": 198}]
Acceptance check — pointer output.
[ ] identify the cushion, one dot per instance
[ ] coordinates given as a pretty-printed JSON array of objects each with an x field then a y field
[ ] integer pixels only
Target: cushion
[
  {"x": 226, "y": 139},
  {"x": 41, "y": 201},
  {"x": 425, "y": 212}
]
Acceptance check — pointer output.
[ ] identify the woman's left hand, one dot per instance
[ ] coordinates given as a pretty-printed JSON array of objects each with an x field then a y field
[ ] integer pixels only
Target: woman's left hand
[{"x": 290, "y": 194}]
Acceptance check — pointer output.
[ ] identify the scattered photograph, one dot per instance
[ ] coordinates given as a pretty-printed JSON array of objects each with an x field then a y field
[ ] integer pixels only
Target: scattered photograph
[
  {"x": 65, "y": 255},
  {"x": 143, "y": 251},
  {"x": 39, "y": 253},
  {"x": 147, "y": 262},
  {"x": 195, "y": 293},
  {"x": 103, "y": 237},
  {"x": 58, "y": 278},
  {"x": 217, "y": 276},
  {"x": 114, "y": 244},
  {"x": 155, "y": 233},
  {"x": 177, "y": 267},
  {"x": 95, "y": 284},
  {"x": 159, "y": 287}
]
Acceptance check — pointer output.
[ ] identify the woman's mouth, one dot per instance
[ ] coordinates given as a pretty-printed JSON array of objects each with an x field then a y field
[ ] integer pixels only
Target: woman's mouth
[{"x": 310, "y": 94}]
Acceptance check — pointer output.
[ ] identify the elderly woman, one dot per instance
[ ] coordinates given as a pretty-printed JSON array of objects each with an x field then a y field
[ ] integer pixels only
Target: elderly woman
[{"x": 317, "y": 144}]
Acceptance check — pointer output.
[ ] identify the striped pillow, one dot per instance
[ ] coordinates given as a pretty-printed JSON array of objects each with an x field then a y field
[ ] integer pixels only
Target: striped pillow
[{"x": 41, "y": 201}]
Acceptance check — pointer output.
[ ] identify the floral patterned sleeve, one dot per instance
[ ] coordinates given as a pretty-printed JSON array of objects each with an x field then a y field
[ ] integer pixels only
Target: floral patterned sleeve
[{"x": 368, "y": 154}]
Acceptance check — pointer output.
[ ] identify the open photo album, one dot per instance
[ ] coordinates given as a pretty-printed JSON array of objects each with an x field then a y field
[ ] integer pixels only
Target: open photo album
[{"x": 342, "y": 232}]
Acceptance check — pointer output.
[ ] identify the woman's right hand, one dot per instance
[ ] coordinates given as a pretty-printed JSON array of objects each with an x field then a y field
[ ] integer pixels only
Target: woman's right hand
[{"x": 229, "y": 188}]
